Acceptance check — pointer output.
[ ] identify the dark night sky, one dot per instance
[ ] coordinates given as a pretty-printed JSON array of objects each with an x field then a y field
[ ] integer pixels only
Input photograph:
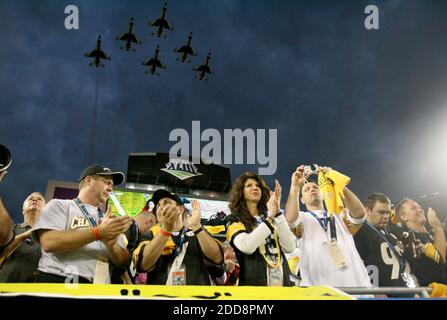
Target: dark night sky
[{"x": 371, "y": 104}]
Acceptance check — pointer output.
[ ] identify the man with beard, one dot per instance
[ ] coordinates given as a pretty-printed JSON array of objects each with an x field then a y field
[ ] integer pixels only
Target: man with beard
[{"x": 178, "y": 250}]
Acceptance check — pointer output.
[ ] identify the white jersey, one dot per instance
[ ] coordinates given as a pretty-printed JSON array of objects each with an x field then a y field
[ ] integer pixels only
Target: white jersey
[{"x": 316, "y": 264}]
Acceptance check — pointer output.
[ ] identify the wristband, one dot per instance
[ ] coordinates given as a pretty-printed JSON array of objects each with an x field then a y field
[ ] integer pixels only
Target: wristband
[
  {"x": 166, "y": 233},
  {"x": 276, "y": 215},
  {"x": 96, "y": 233},
  {"x": 198, "y": 230}
]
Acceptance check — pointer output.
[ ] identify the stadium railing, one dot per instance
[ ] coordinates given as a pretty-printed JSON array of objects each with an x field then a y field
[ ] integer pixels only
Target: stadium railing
[{"x": 424, "y": 292}]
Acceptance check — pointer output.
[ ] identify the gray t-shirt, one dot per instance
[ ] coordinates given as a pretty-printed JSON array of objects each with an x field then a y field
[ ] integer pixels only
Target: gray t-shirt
[{"x": 66, "y": 215}]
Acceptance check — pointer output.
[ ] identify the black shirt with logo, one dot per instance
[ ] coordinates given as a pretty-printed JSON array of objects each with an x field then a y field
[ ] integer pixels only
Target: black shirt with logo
[
  {"x": 379, "y": 258},
  {"x": 426, "y": 269},
  {"x": 198, "y": 269}
]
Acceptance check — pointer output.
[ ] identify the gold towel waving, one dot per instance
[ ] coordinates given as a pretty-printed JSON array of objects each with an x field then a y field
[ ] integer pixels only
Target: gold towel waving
[{"x": 332, "y": 183}]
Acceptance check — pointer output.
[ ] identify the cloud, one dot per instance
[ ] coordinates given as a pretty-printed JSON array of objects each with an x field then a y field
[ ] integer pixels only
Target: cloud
[{"x": 338, "y": 94}]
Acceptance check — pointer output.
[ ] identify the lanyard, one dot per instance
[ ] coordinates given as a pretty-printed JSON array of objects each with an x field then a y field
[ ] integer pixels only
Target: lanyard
[
  {"x": 402, "y": 262},
  {"x": 263, "y": 218},
  {"x": 333, "y": 231},
  {"x": 86, "y": 214},
  {"x": 179, "y": 241},
  {"x": 324, "y": 222},
  {"x": 270, "y": 243}
]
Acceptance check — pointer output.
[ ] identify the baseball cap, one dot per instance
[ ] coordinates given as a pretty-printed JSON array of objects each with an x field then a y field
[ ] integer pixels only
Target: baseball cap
[
  {"x": 98, "y": 170},
  {"x": 161, "y": 193}
]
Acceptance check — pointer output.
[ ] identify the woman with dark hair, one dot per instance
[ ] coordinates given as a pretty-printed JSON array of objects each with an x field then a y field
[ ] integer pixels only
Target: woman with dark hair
[{"x": 259, "y": 233}]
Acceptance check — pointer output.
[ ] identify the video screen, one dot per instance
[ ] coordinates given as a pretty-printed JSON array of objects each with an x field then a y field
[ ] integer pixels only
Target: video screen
[{"x": 133, "y": 202}]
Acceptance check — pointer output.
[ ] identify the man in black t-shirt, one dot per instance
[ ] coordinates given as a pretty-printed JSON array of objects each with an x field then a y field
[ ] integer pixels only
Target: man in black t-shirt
[
  {"x": 380, "y": 248},
  {"x": 178, "y": 251}
]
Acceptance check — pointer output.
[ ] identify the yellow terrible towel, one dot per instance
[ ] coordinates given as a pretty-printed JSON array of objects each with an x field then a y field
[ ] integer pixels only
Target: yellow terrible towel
[
  {"x": 331, "y": 184},
  {"x": 439, "y": 290}
]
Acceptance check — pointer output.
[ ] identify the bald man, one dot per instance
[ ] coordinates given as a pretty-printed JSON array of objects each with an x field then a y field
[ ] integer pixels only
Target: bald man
[{"x": 20, "y": 258}]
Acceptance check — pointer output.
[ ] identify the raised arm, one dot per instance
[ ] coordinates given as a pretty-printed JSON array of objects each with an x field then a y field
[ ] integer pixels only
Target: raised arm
[
  {"x": 292, "y": 206},
  {"x": 210, "y": 248},
  {"x": 355, "y": 206},
  {"x": 15, "y": 244},
  {"x": 249, "y": 242},
  {"x": 286, "y": 238},
  {"x": 153, "y": 249},
  {"x": 6, "y": 226},
  {"x": 438, "y": 232}
]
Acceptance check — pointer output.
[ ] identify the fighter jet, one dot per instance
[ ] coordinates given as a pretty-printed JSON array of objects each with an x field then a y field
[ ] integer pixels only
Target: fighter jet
[
  {"x": 186, "y": 50},
  {"x": 154, "y": 63},
  {"x": 129, "y": 38},
  {"x": 97, "y": 54},
  {"x": 204, "y": 69},
  {"x": 161, "y": 23}
]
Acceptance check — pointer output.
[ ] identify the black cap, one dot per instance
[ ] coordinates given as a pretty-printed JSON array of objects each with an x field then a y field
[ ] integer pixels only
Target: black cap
[
  {"x": 5, "y": 158},
  {"x": 97, "y": 170},
  {"x": 161, "y": 193}
]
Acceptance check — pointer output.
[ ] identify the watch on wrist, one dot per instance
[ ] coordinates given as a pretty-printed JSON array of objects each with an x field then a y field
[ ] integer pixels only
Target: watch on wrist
[{"x": 197, "y": 231}]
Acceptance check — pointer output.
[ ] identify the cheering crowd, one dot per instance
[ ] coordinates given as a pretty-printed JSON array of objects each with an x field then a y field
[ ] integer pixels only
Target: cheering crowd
[{"x": 325, "y": 235}]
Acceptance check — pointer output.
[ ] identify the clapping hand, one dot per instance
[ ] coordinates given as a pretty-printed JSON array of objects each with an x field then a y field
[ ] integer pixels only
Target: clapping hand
[
  {"x": 273, "y": 205},
  {"x": 194, "y": 220},
  {"x": 111, "y": 227},
  {"x": 168, "y": 216}
]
